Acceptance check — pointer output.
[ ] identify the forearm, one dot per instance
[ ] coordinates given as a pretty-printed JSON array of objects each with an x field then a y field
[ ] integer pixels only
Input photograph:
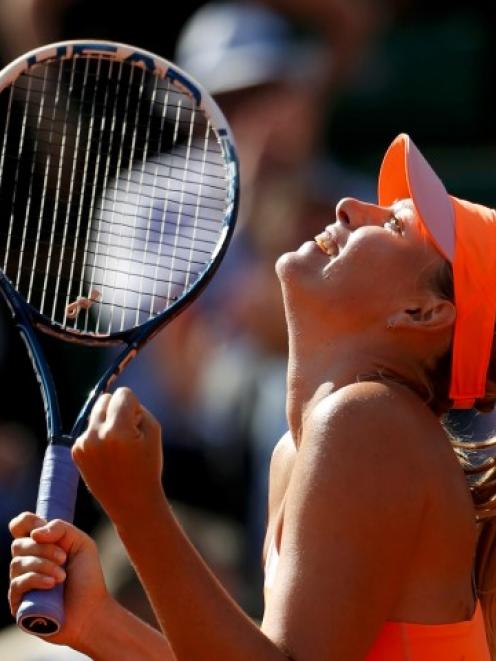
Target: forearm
[
  {"x": 120, "y": 634},
  {"x": 201, "y": 620}
]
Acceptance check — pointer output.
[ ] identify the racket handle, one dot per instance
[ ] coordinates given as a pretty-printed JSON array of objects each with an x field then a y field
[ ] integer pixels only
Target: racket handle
[{"x": 42, "y": 611}]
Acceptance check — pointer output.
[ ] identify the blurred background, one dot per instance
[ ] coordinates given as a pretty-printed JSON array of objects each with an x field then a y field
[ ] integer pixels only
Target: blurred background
[{"x": 314, "y": 92}]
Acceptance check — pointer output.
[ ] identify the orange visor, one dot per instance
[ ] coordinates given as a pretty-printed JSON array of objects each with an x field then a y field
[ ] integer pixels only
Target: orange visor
[{"x": 465, "y": 234}]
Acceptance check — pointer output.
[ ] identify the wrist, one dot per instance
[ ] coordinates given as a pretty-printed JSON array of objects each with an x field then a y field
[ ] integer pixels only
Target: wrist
[
  {"x": 117, "y": 633},
  {"x": 98, "y": 628},
  {"x": 142, "y": 513},
  {"x": 141, "y": 506}
]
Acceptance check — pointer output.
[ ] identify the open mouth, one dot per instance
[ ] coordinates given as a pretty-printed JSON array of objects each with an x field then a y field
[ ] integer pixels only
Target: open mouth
[{"x": 327, "y": 244}]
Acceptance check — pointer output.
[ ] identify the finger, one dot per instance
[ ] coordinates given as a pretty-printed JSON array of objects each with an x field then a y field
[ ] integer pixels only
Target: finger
[
  {"x": 23, "y": 524},
  {"x": 124, "y": 412},
  {"x": 22, "y": 584},
  {"x": 99, "y": 411},
  {"x": 55, "y": 532},
  {"x": 62, "y": 533},
  {"x": 31, "y": 564},
  {"x": 27, "y": 546}
]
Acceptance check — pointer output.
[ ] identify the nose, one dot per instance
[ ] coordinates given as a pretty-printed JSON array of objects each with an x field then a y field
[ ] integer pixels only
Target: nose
[{"x": 354, "y": 213}]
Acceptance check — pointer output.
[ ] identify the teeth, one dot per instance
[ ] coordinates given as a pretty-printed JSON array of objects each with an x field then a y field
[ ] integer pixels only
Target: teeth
[{"x": 326, "y": 244}]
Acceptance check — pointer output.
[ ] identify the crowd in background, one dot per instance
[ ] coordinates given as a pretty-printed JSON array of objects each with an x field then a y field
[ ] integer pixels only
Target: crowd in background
[{"x": 313, "y": 92}]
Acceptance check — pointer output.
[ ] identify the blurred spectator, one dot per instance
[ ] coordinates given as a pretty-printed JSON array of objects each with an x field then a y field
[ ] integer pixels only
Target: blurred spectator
[{"x": 271, "y": 80}]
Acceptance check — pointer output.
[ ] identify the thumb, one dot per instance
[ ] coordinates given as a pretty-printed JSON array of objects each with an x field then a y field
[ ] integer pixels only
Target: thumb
[{"x": 60, "y": 532}]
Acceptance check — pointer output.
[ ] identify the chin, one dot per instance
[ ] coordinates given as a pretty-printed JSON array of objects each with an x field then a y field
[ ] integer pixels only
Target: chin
[
  {"x": 307, "y": 259},
  {"x": 283, "y": 263},
  {"x": 290, "y": 271},
  {"x": 301, "y": 278}
]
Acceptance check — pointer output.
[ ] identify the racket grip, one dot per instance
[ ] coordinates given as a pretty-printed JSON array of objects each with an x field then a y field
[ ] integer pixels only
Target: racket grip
[{"x": 42, "y": 611}]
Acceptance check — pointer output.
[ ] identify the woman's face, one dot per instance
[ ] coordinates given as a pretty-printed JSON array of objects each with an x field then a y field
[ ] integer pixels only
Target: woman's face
[{"x": 367, "y": 264}]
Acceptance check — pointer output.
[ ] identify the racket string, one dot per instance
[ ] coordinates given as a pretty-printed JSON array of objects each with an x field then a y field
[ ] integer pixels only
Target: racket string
[
  {"x": 154, "y": 247},
  {"x": 153, "y": 194},
  {"x": 113, "y": 122},
  {"x": 167, "y": 106},
  {"x": 115, "y": 287},
  {"x": 180, "y": 157},
  {"x": 63, "y": 245},
  {"x": 122, "y": 289},
  {"x": 92, "y": 197},
  {"x": 164, "y": 189},
  {"x": 201, "y": 265},
  {"x": 181, "y": 193},
  {"x": 126, "y": 184},
  {"x": 17, "y": 176},
  {"x": 165, "y": 208},
  {"x": 31, "y": 183},
  {"x": 30, "y": 191},
  {"x": 198, "y": 200},
  {"x": 72, "y": 290}
]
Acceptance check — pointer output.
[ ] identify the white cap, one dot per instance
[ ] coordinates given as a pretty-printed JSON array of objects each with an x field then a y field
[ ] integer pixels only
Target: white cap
[{"x": 229, "y": 46}]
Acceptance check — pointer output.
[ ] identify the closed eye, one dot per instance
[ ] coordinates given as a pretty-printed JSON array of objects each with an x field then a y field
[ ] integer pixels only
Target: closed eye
[{"x": 395, "y": 224}]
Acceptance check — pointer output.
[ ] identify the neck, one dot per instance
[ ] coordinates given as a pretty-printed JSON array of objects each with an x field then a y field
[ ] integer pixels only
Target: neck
[{"x": 321, "y": 365}]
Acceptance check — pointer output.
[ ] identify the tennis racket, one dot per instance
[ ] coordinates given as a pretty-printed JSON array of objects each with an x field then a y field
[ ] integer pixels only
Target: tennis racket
[{"x": 118, "y": 196}]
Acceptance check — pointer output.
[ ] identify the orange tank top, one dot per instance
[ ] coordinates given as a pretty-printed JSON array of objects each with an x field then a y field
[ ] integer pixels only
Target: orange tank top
[
  {"x": 402, "y": 641},
  {"x": 460, "y": 641}
]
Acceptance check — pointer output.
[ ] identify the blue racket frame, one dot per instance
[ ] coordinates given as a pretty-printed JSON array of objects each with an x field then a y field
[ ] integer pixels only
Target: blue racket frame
[{"x": 42, "y": 611}]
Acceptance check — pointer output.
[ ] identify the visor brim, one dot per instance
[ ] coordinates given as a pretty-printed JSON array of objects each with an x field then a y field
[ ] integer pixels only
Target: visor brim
[{"x": 404, "y": 174}]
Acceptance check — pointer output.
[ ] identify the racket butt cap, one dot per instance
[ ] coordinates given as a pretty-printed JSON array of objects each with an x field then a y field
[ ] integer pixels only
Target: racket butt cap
[{"x": 42, "y": 612}]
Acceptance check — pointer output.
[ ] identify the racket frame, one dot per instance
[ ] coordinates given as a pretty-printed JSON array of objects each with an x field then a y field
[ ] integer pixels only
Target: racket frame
[{"x": 42, "y": 611}]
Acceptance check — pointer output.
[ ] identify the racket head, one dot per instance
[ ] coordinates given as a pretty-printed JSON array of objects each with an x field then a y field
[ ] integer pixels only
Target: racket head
[{"x": 119, "y": 188}]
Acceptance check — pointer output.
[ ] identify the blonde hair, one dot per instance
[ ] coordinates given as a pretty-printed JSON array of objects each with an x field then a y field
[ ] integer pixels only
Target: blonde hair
[{"x": 479, "y": 465}]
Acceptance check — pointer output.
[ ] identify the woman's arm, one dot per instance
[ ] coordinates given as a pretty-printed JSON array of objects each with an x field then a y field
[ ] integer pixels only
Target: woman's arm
[
  {"x": 353, "y": 513},
  {"x": 199, "y": 617},
  {"x": 201, "y": 621}
]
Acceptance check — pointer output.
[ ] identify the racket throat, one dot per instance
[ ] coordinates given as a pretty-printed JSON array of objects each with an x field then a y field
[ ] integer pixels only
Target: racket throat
[{"x": 61, "y": 439}]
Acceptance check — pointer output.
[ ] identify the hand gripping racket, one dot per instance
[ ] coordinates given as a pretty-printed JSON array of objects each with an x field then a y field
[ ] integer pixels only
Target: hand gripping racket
[{"x": 118, "y": 196}]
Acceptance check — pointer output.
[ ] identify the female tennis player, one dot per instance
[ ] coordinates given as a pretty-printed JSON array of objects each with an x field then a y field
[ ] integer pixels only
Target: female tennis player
[{"x": 376, "y": 548}]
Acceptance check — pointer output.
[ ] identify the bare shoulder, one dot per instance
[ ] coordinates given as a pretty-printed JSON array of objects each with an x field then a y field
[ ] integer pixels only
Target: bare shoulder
[
  {"x": 376, "y": 401},
  {"x": 374, "y": 432},
  {"x": 387, "y": 444},
  {"x": 353, "y": 514},
  {"x": 362, "y": 411}
]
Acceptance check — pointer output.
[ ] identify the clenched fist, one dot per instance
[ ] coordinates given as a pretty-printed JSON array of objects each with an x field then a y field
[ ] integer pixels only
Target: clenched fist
[
  {"x": 39, "y": 550},
  {"x": 120, "y": 455}
]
